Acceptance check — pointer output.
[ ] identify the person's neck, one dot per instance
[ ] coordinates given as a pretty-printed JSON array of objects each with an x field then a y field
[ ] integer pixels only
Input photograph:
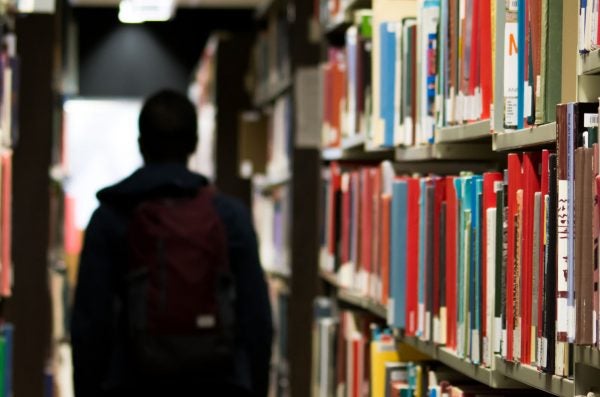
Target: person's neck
[{"x": 164, "y": 163}]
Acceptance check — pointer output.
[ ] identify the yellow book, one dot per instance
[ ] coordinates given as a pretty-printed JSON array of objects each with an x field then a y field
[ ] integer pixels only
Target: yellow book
[
  {"x": 384, "y": 351},
  {"x": 381, "y": 353}
]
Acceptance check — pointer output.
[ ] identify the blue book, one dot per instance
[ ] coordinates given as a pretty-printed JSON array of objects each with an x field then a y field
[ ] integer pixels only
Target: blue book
[
  {"x": 387, "y": 31},
  {"x": 521, "y": 22},
  {"x": 465, "y": 324},
  {"x": 398, "y": 253},
  {"x": 475, "y": 279},
  {"x": 459, "y": 184}
]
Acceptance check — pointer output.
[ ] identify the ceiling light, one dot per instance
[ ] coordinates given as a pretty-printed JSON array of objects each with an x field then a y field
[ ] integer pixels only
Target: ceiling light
[{"x": 139, "y": 11}]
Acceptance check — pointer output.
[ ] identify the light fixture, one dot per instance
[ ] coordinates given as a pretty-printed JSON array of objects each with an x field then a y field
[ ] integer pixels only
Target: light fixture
[{"x": 139, "y": 11}]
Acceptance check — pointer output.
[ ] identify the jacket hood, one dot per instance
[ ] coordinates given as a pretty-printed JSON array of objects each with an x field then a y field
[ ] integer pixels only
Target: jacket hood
[{"x": 153, "y": 180}]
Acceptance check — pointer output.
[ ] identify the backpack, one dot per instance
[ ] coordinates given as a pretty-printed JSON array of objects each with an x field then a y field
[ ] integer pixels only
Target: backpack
[{"x": 180, "y": 291}]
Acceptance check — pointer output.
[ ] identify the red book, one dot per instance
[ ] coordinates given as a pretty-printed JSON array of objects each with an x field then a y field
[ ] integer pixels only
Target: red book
[
  {"x": 386, "y": 201},
  {"x": 485, "y": 34},
  {"x": 412, "y": 268},
  {"x": 6, "y": 277},
  {"x": 375, "y": 229},
  {"x": 451, "y": 258},
  {"x": 338, "y": 92},
  {"x": 366, "y": 211},
  {"x": 545, "y": 189},
  {"x": 439, "y": 197},
  {"x": 531, "y": 185},
  {"x": 474, "y": 62},
  {"x": 355, "y": 219},
  {"x": 489, "y": 201},
  {"x": 346, "y": 218},
  {"x": 334, "y": 189},
  {"x": 514, "y": 184}
]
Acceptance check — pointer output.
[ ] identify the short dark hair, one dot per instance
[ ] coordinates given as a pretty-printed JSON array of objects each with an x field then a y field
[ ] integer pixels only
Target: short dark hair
[{"x": 168, "y": 128}]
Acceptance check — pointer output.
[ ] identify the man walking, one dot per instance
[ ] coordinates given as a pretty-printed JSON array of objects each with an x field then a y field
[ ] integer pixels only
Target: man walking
[{"x": 171, "y": 299}]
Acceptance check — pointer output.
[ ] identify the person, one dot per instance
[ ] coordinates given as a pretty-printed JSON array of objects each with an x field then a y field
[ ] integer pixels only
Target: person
[{"x": 102, "y": 367}]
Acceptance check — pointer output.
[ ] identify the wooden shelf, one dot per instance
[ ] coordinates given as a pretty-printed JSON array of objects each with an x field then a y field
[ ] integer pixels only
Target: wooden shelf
[
  {"x": 590, "y": 63},
  {"x": 463, "y": 133},
  {"x": 532, "y": 377},
  {"x": 268, "y": 93},
  {"x": 446, "y": 151},
  {"x": 517, "y": 139}
]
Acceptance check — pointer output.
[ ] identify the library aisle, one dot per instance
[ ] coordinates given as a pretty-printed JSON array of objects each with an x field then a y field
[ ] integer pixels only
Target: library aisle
[{"x": 423, "y": 178}]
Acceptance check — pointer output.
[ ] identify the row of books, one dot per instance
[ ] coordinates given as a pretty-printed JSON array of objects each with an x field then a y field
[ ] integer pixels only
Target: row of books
[
  {"x": 279, "y": 379},
  {"x": 266, "y": 141},
  {"x": 500, "y": 263},
  {"x": 415, "y": 67},
  {"x": 272, "y": 53},
  {"x": 271, "y": 211},
  {"x": 347, "y": 93},
  {"x": 354, "y": 356},
  {"x": 589, "y": 32},
  {"x": 9, "y": 90}
]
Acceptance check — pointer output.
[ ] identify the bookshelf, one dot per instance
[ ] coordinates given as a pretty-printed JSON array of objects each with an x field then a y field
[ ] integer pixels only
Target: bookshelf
[
  {"x": 339, "y": 154},
  {"x": 504, "y": 375},
  {"x": 528, "y": 137},
  {"x": 446, "y": 151},
  {"x": 587, "y": 356},
  {"x": 356, "y": 300},
  {"x": 267, "y": 93},
  {"x": 479, "y": 130},
  {"x": 284, "y": 173},
  {"x": 441, "y": 140},
  {"x": 590, "y": 63},
  {"x": 532, "y": 377}
]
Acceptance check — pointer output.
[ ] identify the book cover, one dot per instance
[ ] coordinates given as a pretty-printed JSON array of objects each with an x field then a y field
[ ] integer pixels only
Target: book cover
[
  {"x": 412, "y": 273},
  {"x": 512, "y": 67},
  {"x": 399, "y": 236},
  {"x": 514, "y": 185},
  {"x": 547, "y": 347},
  {"x": 488, "y": 265},
  {"x": 388, "y": 51},
  {"x": 451, "y": 250},
  {"x": 438, "y": 252}
]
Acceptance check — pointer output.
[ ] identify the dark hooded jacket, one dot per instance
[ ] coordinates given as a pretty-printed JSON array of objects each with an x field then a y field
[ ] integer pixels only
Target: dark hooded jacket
[{"x": 100, "y": 361}]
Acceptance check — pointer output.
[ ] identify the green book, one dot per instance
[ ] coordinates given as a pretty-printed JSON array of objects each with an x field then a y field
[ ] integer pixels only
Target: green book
[
  {"x": 2, "y": 366},
  {"x": 553, "y": 70}
]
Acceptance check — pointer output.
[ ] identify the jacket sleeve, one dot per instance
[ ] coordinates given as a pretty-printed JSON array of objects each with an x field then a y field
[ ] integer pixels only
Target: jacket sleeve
[
  {"x": 92, "y": 319},
  {"x": 254, "y": 309}
]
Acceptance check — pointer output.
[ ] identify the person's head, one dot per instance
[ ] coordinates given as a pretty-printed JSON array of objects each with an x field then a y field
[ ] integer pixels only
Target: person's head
[{"x": 168, "y": 128}]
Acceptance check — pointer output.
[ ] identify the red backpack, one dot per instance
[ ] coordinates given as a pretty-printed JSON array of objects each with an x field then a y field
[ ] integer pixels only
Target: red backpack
[{"x": 180, "y": 289}]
